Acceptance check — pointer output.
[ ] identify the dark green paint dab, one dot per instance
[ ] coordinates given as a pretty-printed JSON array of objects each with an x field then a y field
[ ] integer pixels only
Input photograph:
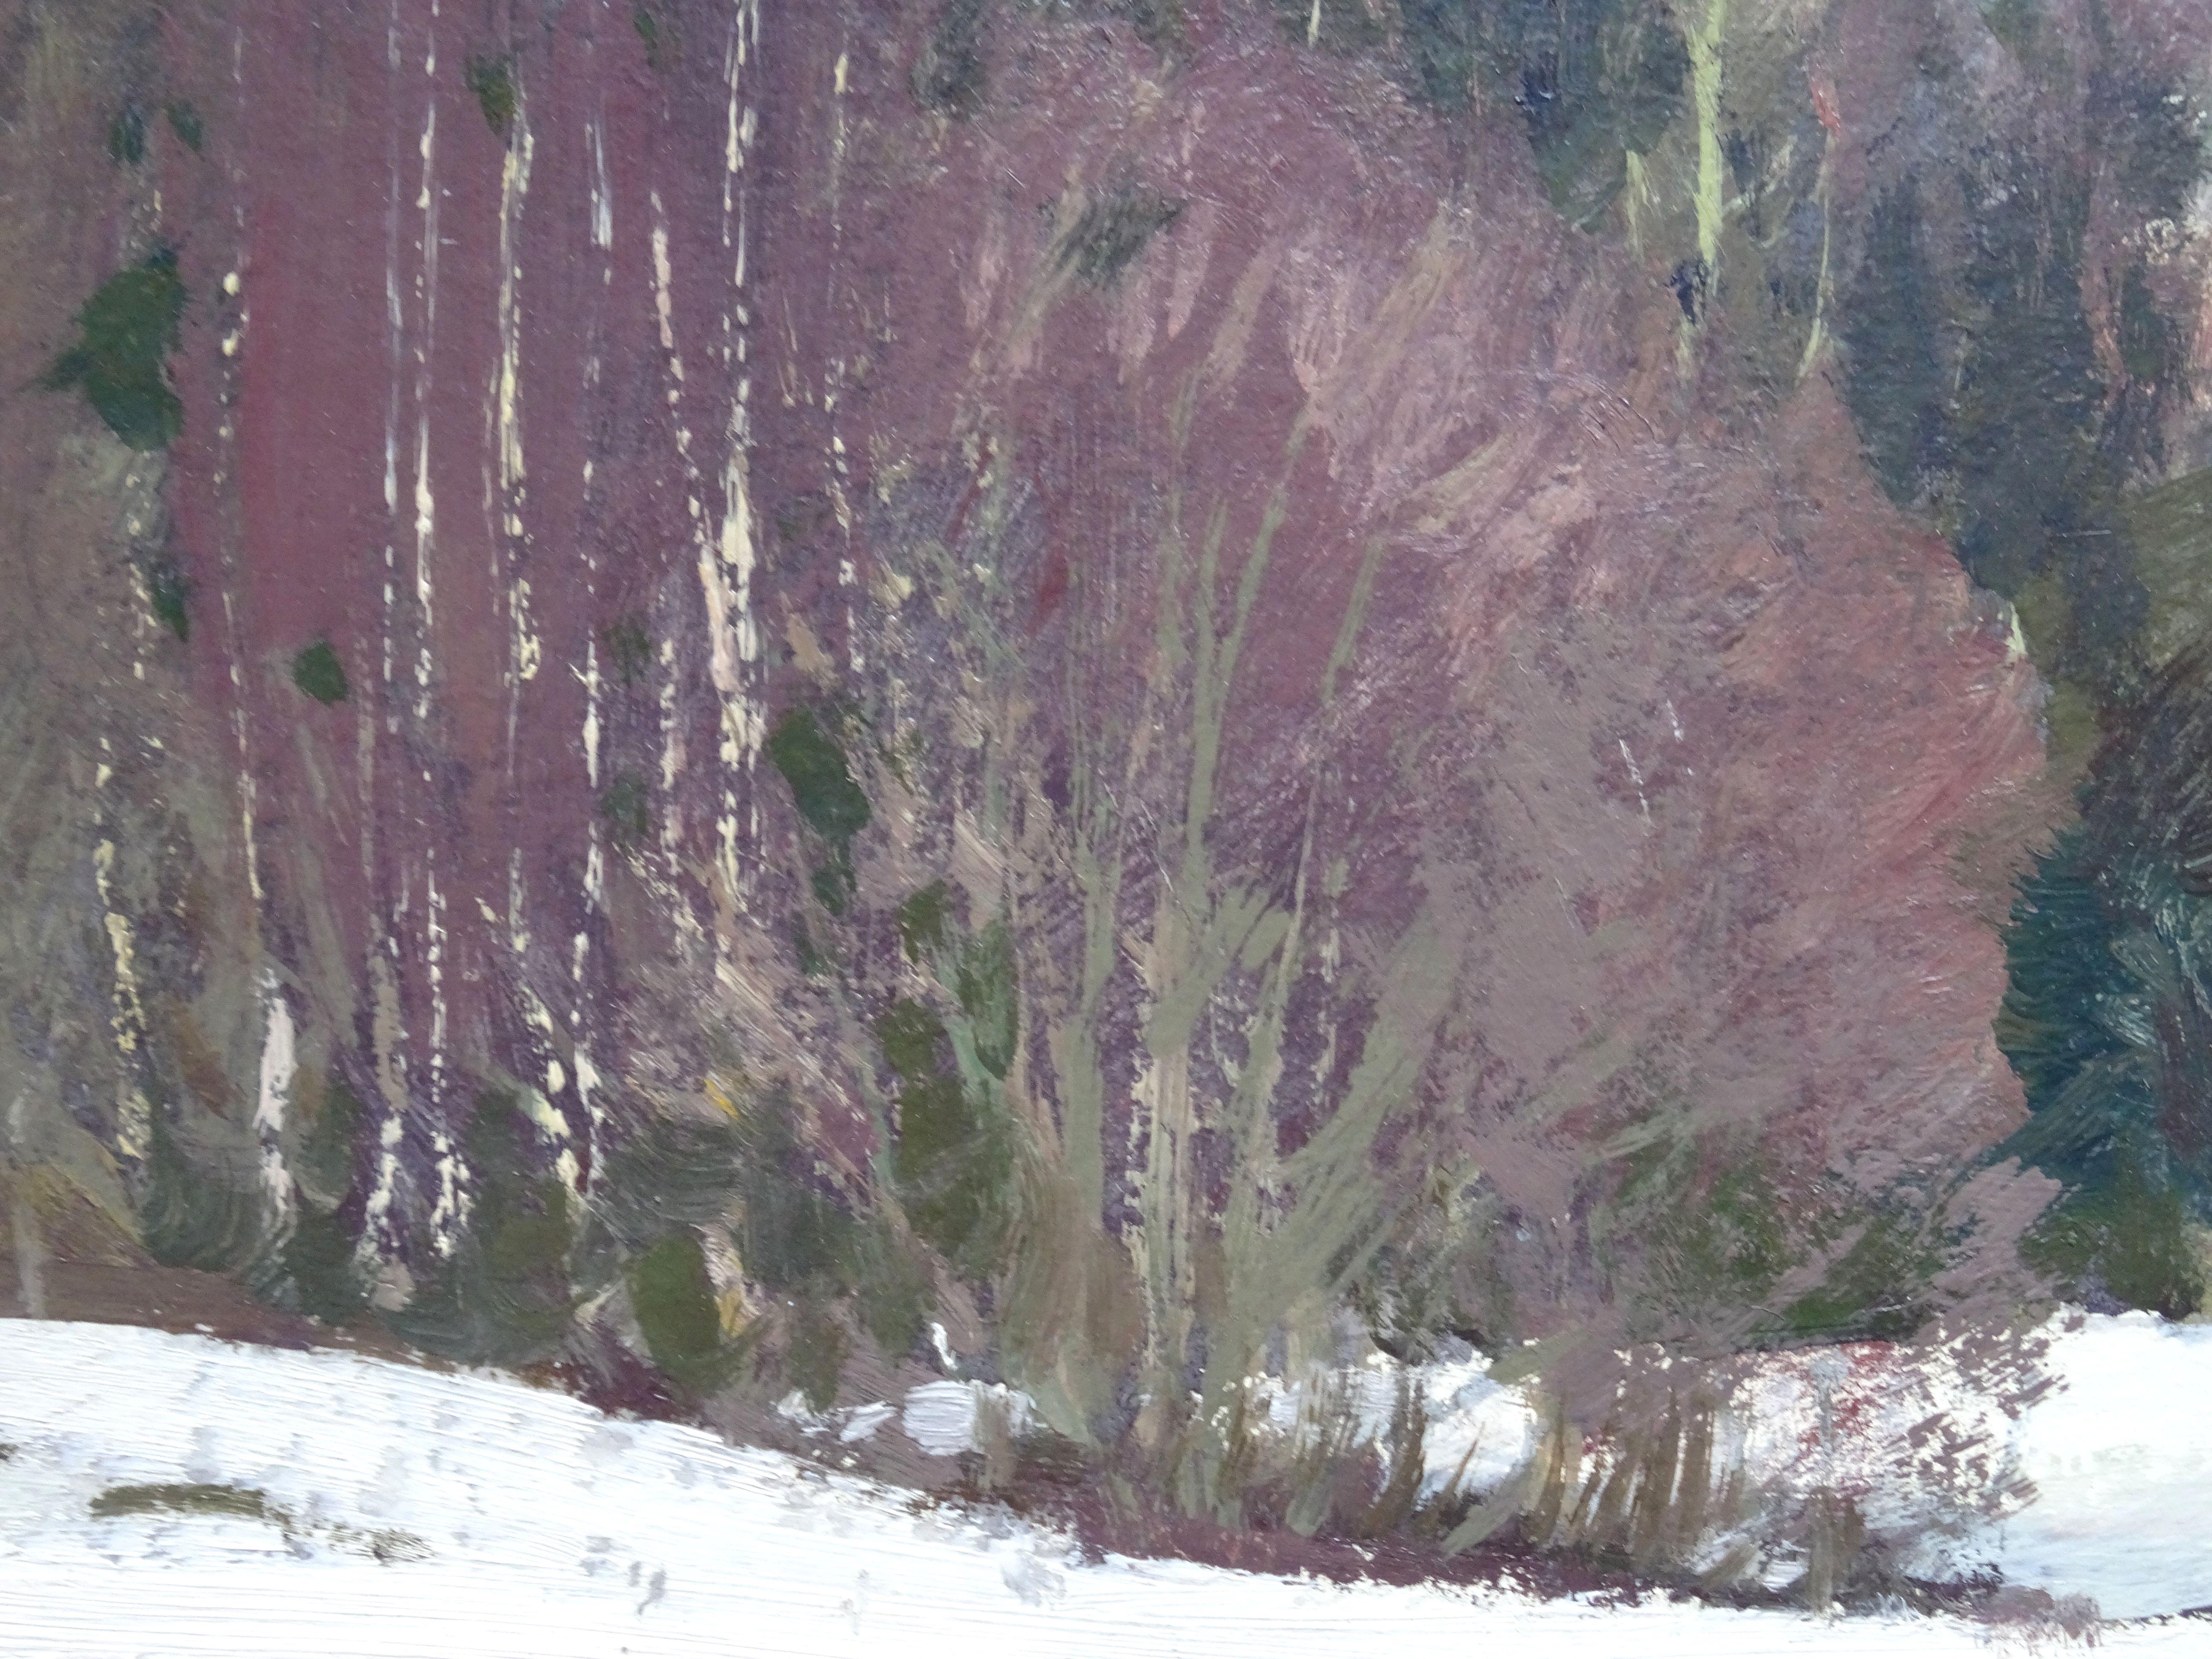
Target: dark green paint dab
[
  {"x": 628, "y": 648},
  {"x": 674, "y": 1301},
  {"x": 127, "y": 136},
  {"x": 649, "y": 31},
  {"x": 813, "y": 764},
  {"x": 128, "y": 328},
  {"x": 184, "y": 122},
  {"x": 318, "y": 671},
  {"x": 922, "y": 921},
  {"x": 628, "y": 812},
  {"x": 953, "y": 1163},
  {"x": 492, "y": 80},
  {"x": 167, "y": 592}
]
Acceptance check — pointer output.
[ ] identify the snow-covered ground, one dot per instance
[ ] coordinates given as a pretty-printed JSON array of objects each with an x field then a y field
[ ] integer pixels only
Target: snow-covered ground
[{"x": 406, "y": 1512}]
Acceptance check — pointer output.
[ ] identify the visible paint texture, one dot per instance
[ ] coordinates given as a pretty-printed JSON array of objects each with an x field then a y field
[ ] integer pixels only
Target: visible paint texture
[
  {"x": 1126, "y": 709},
  {"x": 496, "y": 1518},
  {"x": 121, "y": 362}
]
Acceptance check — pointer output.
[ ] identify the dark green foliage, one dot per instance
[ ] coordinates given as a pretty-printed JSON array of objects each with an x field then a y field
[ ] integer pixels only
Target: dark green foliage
[
  {"x": 318, "y": 671},
  {"x": 1728, "y": 1245},
  {"x": 492, "y": 80},
  {"x": 1897, "y": 382},
  {"x": 184, "y": 122},
  {"x": 648, "y": 31},
  {"x": 833, "y": 885},
  {"x": 2063, "y": 973},
  {"x": 894, "y": 1296},
  {"x": 322, "y": 1154},
  {"x": 2108, "y": 1020},
  {"x": 953, "y": 1164},
  {"x": 521, "y": 1229},
  {"x": 627, "y": 811},
  {"x": 2151, "y": 137},
  {"x": 814, "y": 1352},
  {"x": 1444, "y": 41},
  {"x": 2126, "y": 1239},
  {"x": 1113, "y": 231},
  {"x": 2024, "y": 424},
  {"x": 912, "y": 1040},
  {"x": 127, "y": 136},
  {"x": 505, "y": 1294},
  {"x": 128, "y": 328},
  {"x": 987, "y": 985},
  {"x": 1976, "y": 384},
  {"x": 793, "y": 1232},
  {"x": 629, "y": 648},
  {"x": 921, "y": 922},
  {"x": 793, "y": 1228},
  {"x": 1593, "y": 79},
  {"x": 2154, "y": 353},
  {"x": 674, "y": 1301},
  {"x": 811, "y": 961},
  {"x": 2150, "y": 346},
  {"x": 813, "y": 762},
  {"x": 1598, "y": 79},
  {"x": 675, "y": 1171},
  {"x": 166, "y": 591},
  {"x": 1878, "y": 1289},
  {"x": 1978, "y": 391},
  {"x": 195, "y": 1210},
  {"x": 317, "y": 1262},
  {"x": 949, "y": 75}
]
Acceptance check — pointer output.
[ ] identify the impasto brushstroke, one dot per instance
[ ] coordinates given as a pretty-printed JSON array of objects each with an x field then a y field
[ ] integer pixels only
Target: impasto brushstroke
[{"x": 1153, "y": 801}]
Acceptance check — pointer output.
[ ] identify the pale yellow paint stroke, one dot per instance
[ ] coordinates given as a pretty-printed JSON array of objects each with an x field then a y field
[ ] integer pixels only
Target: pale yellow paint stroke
[
  {"x": 135, "y": 1117},
  {"x": 1708, "y": 200},
  {"x": 1705, "y": 94},
  {"x": 1817, "y": 340},
  {"x": 1635, "y": 193},
  {"x": 525, "y": 652},
  {"x": 387, "y": 1035}
]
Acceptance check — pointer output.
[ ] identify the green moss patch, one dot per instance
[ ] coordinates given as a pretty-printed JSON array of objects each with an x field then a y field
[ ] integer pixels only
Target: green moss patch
[
  {"x": 127, "y": 136},
  {"x": 492, "y": 80},
  {"x": 922, "y": 920},
  {"x": 813, "y": 764},
  {"x": 184, "y": 122},
  {"x": 318, "y": 671},
  {"x": 128, "y": 328},
  {"x": 627, "y": 811},
  {"x": 674, "y": 1301},
  {"x": 628, "y": 648},
  {"x": 953, "y": 1163}
]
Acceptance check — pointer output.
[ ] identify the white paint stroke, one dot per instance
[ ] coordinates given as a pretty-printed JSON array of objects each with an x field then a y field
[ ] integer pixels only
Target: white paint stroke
[
  {"x": 278, "y": 1066},
  {"x": 134, "y": 1112},
  {"x": 539, "y": 1527}
]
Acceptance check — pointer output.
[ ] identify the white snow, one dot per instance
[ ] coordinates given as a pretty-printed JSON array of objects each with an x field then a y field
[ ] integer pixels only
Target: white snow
[
  {"x": 2121, "y": 1458},
  {"x": 513, "y": 1520}
]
